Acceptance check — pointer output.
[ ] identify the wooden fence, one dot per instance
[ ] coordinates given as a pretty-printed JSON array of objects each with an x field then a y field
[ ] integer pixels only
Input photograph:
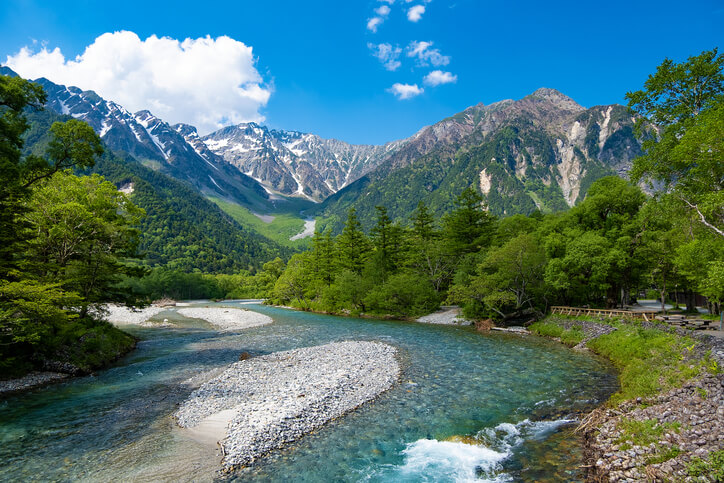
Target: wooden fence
[{"x": 561, "y": 310}]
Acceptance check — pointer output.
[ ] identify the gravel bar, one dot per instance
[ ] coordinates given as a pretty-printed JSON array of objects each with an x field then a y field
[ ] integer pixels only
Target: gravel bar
[
  {"x": 30, "y": 381},
  {"x": 120, "y": 314},
  {"x": 266, "y": 402},
  {"x": 227, "y": 319}
]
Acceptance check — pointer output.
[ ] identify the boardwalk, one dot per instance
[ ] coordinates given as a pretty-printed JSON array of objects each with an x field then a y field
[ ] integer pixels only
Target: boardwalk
[{"x": 562, "y": 310}]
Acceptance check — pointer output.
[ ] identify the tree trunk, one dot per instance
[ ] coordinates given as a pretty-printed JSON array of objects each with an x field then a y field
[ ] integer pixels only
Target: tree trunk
[{"x": 690, "y": 301}]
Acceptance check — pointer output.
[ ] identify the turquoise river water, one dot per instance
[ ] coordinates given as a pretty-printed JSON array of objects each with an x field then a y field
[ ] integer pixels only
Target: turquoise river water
[{"x": 468, "y": 407}]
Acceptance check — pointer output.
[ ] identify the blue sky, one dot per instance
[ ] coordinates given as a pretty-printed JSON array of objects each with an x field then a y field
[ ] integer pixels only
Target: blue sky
[{"x": 314, "y": 67}]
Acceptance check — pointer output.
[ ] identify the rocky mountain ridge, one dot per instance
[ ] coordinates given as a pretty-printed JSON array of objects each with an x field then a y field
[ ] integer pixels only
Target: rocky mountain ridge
[
  {"x": 295, "y": 163},
  {"x": 174, "y": 150},
  {"x": 540, "y": 152}
]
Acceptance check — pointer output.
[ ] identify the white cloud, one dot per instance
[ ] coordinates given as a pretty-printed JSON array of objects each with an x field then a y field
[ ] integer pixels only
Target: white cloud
[
  {"x": 437, "y": 77},
  {"x": 382, "y": 12},
  {"x": 425, "y": 55},
  {"x": 414, "y": 14},
  {"x": 405, "y": 91},
  {"x": 373, "y": 23},
  {"x": 387, "y": 54},
  {"x": 205, "y": 82}
]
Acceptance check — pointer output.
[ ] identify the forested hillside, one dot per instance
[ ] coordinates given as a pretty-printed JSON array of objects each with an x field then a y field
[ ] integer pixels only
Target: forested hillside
[
  {"x": 182, "y": 229},
  {"x": 616, "y": 242}
]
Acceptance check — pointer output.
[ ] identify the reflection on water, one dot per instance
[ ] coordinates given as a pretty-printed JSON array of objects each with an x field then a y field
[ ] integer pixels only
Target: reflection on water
[{"x": 494, "y": 389}]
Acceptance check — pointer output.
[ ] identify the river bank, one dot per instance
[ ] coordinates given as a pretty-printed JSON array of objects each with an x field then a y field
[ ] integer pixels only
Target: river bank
[{"x": 665, "y": 422}]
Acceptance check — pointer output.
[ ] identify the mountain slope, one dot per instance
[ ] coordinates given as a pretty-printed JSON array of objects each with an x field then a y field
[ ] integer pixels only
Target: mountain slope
[
  {"x": 540, "y": 152},
  {"x": 294, "y": 163},
  {"x": 182, "y": 229},
  {"x": 174, "y": 150}
]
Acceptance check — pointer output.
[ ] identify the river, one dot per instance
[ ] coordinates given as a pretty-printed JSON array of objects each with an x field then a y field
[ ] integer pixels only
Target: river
[{"x": 510, "y": 394}]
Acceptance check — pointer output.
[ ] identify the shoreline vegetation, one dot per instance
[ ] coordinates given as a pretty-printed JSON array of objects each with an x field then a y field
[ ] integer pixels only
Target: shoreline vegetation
[{"x": 666, "y": 422}]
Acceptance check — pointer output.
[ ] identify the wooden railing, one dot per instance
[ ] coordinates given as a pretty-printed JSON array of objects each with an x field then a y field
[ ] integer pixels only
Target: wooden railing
[{"x": 561, "y": 310}]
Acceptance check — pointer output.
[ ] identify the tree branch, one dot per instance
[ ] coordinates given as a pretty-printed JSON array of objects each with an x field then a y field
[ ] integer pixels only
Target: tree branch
[{"x": 701, "y": 216}]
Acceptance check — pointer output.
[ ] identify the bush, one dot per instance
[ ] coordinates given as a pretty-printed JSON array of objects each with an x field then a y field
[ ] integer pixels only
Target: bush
[{"x": 403, "y": 295}]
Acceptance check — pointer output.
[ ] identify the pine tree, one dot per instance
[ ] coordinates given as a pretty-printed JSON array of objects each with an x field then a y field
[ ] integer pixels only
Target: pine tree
[
  {"x": 352, "y": 244},
  {"x": 469, "y": 227}
]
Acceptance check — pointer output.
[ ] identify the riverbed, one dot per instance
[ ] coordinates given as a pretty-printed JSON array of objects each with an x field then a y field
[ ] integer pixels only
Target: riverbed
[{"x": 513, "y": 396}]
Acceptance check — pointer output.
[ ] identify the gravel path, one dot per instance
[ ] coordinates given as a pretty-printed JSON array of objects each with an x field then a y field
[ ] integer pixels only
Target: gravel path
[
  {"x": 262, "y": 403},
  {"x": 227, "y": 319}
]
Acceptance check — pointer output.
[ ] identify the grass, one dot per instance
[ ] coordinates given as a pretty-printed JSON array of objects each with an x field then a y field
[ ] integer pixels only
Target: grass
[
  {"x": 570, "y": 337},
  {"x": 643, "y": 433},
  {"x": 711, "y": 467},
  {"x": 284, "y": 225},
  {"x": 649, "y": 360}
]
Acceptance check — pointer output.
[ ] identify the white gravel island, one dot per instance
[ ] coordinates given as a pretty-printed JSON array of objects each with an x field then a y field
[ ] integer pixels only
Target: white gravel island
[
  {"x": 225, "y": 318},
  {"x": 262, "y": 403}
]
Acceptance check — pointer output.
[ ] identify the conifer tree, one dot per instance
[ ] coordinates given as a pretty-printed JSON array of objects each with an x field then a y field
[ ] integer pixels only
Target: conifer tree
[{"x": 353, "y": 245}]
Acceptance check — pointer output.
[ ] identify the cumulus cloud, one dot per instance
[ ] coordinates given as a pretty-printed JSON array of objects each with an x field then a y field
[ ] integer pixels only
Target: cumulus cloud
[
  {"x": 382, "y": 12},
  {"x": 206, "y": 82},
  {"x": 415, "y": 12},
  {"x": 373, "y": 23},
  {"x": 405, "y": 91},
  {"x": 438, "y": 77},
  {"x": 387, "y": 54},
  {"x": 425, "y": 55}
]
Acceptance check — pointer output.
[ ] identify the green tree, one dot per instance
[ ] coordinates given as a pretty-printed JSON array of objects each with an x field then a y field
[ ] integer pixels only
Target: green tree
[
  {"x": 352, "y": 244},
  {"x": 468, "y": 228},
  {"x": 511, "y": 276},
  {"x": 82, "y": 230},
  {"x": 323, "y": 252},
  {"x": 295, "y": 285},
  {"x": 423, "y": 223},
  {"x": 685, "y": 102},
  {"x": 387, "y": 244},
  {"x": 16, "y": 95}
]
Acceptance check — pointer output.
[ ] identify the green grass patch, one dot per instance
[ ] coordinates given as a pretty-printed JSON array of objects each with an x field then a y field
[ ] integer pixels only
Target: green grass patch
[
  {"x": 643, "y": 433},
  {"x": 570, "y": 337},
  {"x": 649, "y": 360},
  {"x": 665, "y": 454},
  {"x": 711, "y": 467},
  {"x": 281, "y": 228}
]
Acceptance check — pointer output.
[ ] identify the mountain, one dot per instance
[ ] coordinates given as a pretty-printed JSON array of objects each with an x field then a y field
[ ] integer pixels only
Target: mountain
[
  {"x": 174, "y": 150},
  {"x": 295, "y": 163},
  {"x": 541, "y": 152},
  {"x": 182, "y": 229}
]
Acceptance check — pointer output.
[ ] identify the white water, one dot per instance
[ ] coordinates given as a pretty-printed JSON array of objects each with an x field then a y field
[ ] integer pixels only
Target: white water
[{"x": 432, "y": 460}]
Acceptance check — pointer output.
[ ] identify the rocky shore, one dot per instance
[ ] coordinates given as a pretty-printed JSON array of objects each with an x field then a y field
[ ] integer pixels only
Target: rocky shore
[
  {"x": 30, "y": 381},
  {"x": 450, "y": 315},
  {"x": 265, "y": 402},
  {"x": 685, "y": 423},
  {"x": 656, "y": 440}
]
